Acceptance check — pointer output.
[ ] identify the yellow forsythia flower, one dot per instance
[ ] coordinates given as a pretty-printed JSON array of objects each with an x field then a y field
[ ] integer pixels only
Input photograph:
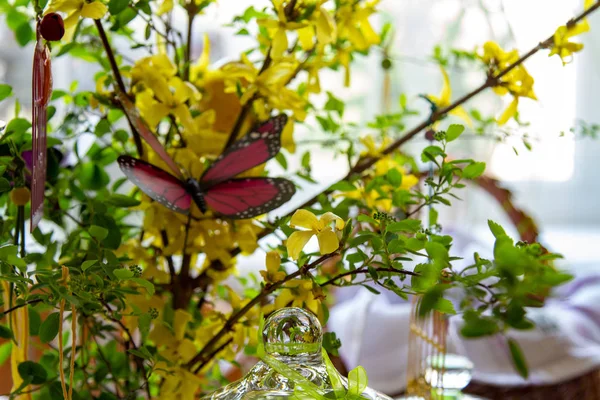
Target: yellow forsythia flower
[
  {"x": 322, "y": 23},
  {"x": 273, "y": 272},
  {"x": 173, "y": 345},
  {"x": 270, "y": 84},
  {"x": 278, "y": 30},
  {"x": 77, "y": 8},
  {"x": 445, "y": 99},
  {"x": 354, "y": 25},
  {"x": 178, "y": 383},
  {"x": 517, "y": 82},
  {"x": 321, "y": 227},
  {"x": 162, "y": 93},
  {"x": 562, "y": 46},
  {"x": 298, "y": 293}
]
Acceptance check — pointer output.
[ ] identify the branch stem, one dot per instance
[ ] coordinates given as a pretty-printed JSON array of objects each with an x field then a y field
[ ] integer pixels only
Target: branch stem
[
  {"x": 119, "y": 79},
  {"x": 366, "y": 271}
]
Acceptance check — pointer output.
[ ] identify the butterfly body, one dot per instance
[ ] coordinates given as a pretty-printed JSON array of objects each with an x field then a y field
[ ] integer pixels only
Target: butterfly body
[
  {"x": 217, "y": 188},
  {"x": 195, "y": 190}
]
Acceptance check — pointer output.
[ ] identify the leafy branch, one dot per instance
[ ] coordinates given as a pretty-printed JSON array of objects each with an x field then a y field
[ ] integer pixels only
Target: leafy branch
[{"x": 365, "y": 163}]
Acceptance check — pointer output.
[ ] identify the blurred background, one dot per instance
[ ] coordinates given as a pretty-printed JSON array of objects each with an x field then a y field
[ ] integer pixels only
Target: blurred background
[{"x": 557, "y": 182}]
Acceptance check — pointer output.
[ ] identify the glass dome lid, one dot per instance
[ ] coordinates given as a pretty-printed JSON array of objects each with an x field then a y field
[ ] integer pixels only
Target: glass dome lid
[{"x": 294, "y": 365}]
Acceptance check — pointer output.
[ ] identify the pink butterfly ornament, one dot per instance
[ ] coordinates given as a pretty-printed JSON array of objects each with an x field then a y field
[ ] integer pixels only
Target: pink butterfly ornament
[{"x": 217, "y": 189}]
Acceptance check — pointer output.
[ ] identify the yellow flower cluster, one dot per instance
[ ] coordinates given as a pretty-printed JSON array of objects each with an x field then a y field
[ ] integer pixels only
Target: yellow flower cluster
[
  {"x": 76, "y": 9},
  {"x": 517, "y": 82},
  {"x": 561, "y": 44},
  {"x": 273, "y": 272}
]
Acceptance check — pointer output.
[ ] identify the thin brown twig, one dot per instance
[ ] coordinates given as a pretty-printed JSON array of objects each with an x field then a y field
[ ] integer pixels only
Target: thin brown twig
[
  {"x": 366, "y": 271},
  {"x": 170, "y": 264},
  {"x": 192, "y": 10},
  {"x": 27, "y": 303},
  {"x": 119, "y": 79},
  {"x": 212, "y": 355},
  {"x": 108, "y": 365},
  {"x": 138, "y": 361}
]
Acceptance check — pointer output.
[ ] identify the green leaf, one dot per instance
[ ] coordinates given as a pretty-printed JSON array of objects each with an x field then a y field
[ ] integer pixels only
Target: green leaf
[
  {"x": 18, "y": 125},
  {"x": 476, "y": 326},
  {"x": 34, "y": 321},
  {"x": 431, "y": 152},
  {"x": 144, "y": 322},
  {"x": 102, "y": 128},
  {"x": 280, "y": 157},
  {"x": 144, "y": 355},
  {"x": 444, "y": 306},
  {"x": 93, "y": 177},
  {"x": 5, "y": 350},
  {"x": 87, "y": 264},
  {"x": 97, "y": 232},
  {"x": 24, "y": 34},
  {"x": 474, "y": 170},
  {"x": 5, "y": 91},
  {"x": 437, "y": 251},
  {"x": 32, "y": 372},
  {"x": 123, "y": 273},
  {"x": 496, "y": 229},
  {"x": 394, "y": 177},
  {"x": 121, "y": 200},
  {"x": 433, "y": 216},
  {"x": 357, "y": 381},
  {"x": 518, "y": 359},
  {"x": 453, "y": 132},
  {"x": 5, "y": 332},
  {"x": 367, "y": 218},
  {"x": 406, "y": 225},
  {"x": 116, "y": 6},
  {"x": 250, "y": 14},
  {"x": 371, "y": 289},
  {"x": 334, "y": 377},
  {"x": 334, "y": 104},
  {"x": 49, "y": 328},
  {"x": 331, "y": 343},
  {"x": 343, "y": 186},
  {"x": 4, "y": 185},
  {"x": 145, "y": 284},
  {"x": 306, "y": 160}
]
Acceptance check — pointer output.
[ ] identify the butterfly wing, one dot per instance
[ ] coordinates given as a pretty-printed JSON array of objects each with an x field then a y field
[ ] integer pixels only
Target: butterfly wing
[
  {"x": 260, "y": 145},
  {"x": 41, "y": 91},
  {"x": 248, "y": 197},
  {"x": 157, "y": 183},
  {"x": 137, "y": 121}
]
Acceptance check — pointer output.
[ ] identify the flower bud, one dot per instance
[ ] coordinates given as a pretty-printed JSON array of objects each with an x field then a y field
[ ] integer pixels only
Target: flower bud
[
  {"x": 19, "y": 196},
  {"x": 52, "y": 27}
]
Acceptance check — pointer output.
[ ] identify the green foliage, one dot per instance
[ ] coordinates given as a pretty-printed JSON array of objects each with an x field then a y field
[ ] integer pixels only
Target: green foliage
[
  {"x": 32, "y": 372},
  {"x": 5, "y": 91},
  {"x": 49, "y": 328},
  {"x": 517, "y": 358},
  {"x": 121, "y": 276}
]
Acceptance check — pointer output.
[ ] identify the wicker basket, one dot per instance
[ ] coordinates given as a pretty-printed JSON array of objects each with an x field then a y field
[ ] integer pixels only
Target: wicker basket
[{"x": 585, "y": 387}]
